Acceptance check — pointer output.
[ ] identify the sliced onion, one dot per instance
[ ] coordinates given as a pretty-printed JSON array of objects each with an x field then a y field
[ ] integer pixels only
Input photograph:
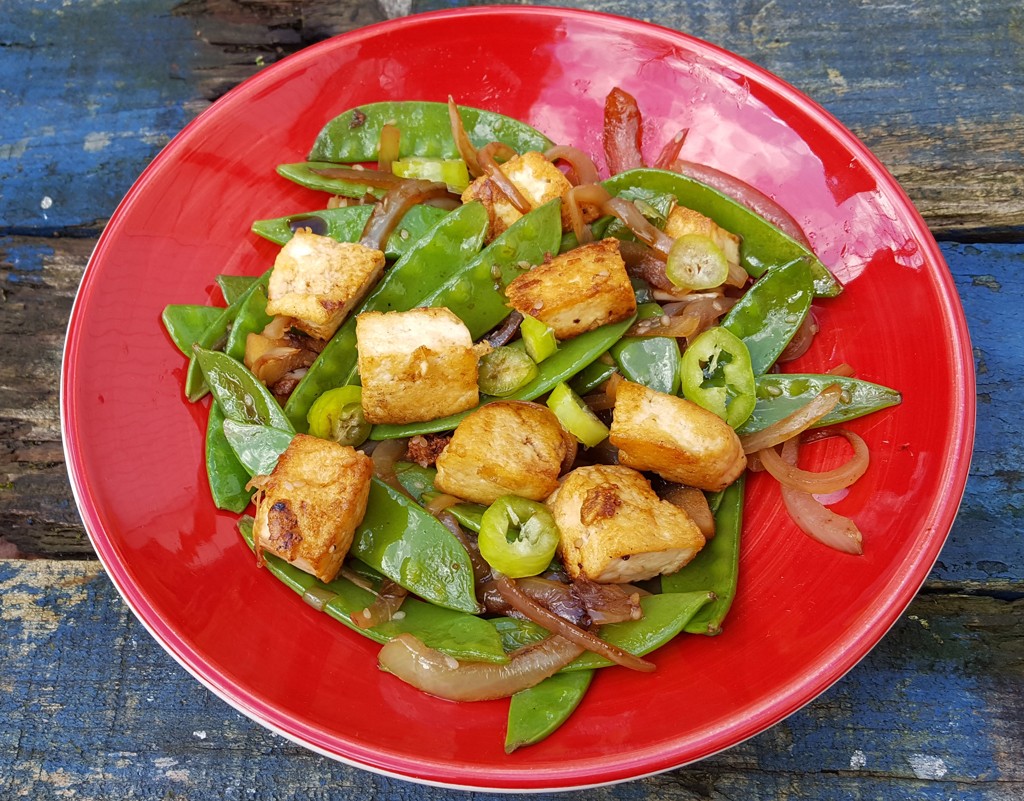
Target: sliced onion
[
  {"x": 389, "y": 212},
  {"x": 799, "y": 421},
  {"x": 640, "y": 225},
  {"x": 387, "y": 150},
  {"x": 608, "y": 603},
  {"x": 481, "y": 570},
  {"x": 802, "y": 339},
  {"x": 487, "y": 155},
  {"x": 384, "y": 458},
  {"x": 695, "y": 503},
  {"x": 555, "y": 596},
  {"x": 575, "y": 207},
  {"x": 465, "y": 147},
  {"x": 388, "y": 601},
  {"x": 824, "y": 482},
  {"x": 583, "y": 168},
  {"x": 507, "y": 332},
  {"x": 754, "y": 199},
  {"x": 641, "y": 262},
  {"x": 667, "y": 158},
  {"x": 622, "y": 132},
  {"x": 812, "y": 518},
  {"x": 556, "y": 625},
  {"x": 738, "y": 277},
  {"x": 843, "y": 370},
  {"x": 439, "y": 674},
  {"x": 439, "y": 503}
]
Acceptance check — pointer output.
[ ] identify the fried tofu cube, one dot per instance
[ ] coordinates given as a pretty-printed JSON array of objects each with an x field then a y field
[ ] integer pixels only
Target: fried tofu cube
[
  {"x": 675, "y": 438},
  {"x": 317, "y": 281},
  {"x": 682, "y": 220},
  {"x": 505, "y": 448},
  {"x": 415, "y": 365},
  {"x": 614, "y": 528},
  {"x": 309, "y": 507},
  {"x": 536, "y": 178},
  {"x": 578, "y": 291}
]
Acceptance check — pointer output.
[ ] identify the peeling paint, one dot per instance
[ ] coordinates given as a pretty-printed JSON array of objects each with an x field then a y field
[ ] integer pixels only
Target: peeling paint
[
  {"x": 926, "y": 766},
  {"x": 96, "y": 141}
]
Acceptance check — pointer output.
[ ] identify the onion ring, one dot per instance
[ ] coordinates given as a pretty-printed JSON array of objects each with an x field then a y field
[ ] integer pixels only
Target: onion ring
[
  {"x": 799, "y": 421},
  {"x": 819, "y": 483}
]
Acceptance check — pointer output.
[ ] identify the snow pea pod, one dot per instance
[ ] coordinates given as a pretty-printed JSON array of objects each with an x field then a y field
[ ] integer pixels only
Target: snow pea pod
[
  {"x": 232, "y": 287},
  {"x": 346, "y": 225},
  {"x": 462, "y": 636},
  {"x": 665, "y": 616},
  {"x": 185, "y": 323},
  {"x": 419, "y": 482},
  {"x": 305, "y": 173},
  {"x": 651, "y": 361},
  {"x": 225, "y": 474},
  {"x": 771, "y": 311},
  {"x": 591, "y": 377},
  {"x": 252, "y": 319},
  {"x": 781, "y": 394},
  {"x": 354, "y": 135},
  {"x": 476, "y": 294},
  {"x": 438, "y": 255},
  {"x": 534, "y": 713},
  {"x": 409, "y": 546},
  {"x": 762, "y": 244},
  {"x": 215, "y": 336},
  {"x": 571, "y": 357},
  {"x": 239, "y": 393},
  {"x": 256, "y": 447},
  {"x": 716, "y": 567}
]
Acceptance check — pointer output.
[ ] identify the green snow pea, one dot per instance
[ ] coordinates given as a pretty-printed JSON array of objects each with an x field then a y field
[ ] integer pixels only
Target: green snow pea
[
  {"x": 476, "y": 294},
  {"x": 239, "y": 393},
  {"x": 654, "y": 206},
  {"x": 438, "y": 255},
  {"x": 307, "y": 174},
  {"x": 591, "y": 377},
  {"x": 185, "y": 323},
  {"x": 665, "y": 616},
  {"x": 346, "y": 225},
  {"x": 252, "y": 319},
  {"x": 215, "y": 336},
  {"x": 257, "y": 447},
  {"x": 716, "y": 566},
  {"x": 419, "y": 482},
  {"x": 354, "y": 135},
  {"x": 762, "y": 244},
  {"x": 226, "y": 475},
  {"x": 232, "y": 287},
  {"x": 781, "y": 394},
  {"x": 771, "y": 311},
  {"x": 571, "y": 357},
  {"x": 408, "y": 545},
  {"x": 462, "y": 636},
  {"x": 651, "y": 361},
  {"x": 534, "y": 713}
]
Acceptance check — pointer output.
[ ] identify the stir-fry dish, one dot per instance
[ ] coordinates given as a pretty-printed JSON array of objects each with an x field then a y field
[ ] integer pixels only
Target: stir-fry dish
[{"x": 495, "y": 411}]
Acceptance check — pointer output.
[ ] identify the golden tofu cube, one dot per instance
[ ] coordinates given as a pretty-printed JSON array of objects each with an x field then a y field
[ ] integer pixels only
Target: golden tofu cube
[
  {"x": 614, "y": 528},
  {"x": 505, "y": 448},
  {"x": 317, "y": 281},
  {"x": 415, "y": 365},
  {"x": 682, "y": 220},
  {"x": 675, "y": 438},
  {"x": 536, "y": 178},
  {"x": 308, "y": 508},
  {"x": 580, "y": 290}
]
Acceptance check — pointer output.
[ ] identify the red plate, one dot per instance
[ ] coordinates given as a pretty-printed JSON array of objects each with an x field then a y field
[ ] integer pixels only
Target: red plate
[{"x": 804, "y": 614}]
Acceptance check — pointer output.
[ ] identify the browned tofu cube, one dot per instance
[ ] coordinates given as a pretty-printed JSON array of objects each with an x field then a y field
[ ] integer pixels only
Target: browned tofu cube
[
  {"x": 675, "y": 438},
  {"x": 682, "y": 220},
  {"x": 309, "y": 507},
  {"x": 614, "y": 528},
  {"x": 505, "y": 448},
  {"x": 317, "y": 281},
  {"x": 580, "y": 290},
  {"x": 415, "y": 365},
  {"x": 536, "y": 178}
]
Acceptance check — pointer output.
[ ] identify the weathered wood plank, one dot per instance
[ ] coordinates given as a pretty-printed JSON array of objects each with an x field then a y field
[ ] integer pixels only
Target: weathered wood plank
[
  {"x": 86, "y": 107},
  {"x": 93, "y": 708}
]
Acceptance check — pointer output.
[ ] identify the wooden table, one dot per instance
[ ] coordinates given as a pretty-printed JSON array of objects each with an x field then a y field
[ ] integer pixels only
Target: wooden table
[{"x": 91, "y": 707}]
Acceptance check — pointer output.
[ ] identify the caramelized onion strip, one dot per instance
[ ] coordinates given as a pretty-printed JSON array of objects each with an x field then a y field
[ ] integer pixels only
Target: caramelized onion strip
[
  {"x": 584, "y": 171},
  {"x": 388, "y": 601},
  {"x": 799, "y": 421},
  {"x": 819, "y": 483},
  {"x": 389, "y": 212},
  {"x": 384, "y": 458},
  {"x": 487, "y": 155},
  {"x": 462, "y": 143}
]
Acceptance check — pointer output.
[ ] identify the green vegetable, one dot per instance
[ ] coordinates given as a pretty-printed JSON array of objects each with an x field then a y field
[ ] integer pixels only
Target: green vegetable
[
  {"x": 338, "y": 415},
  {"x": 239, "y": 393},
  {"x": 716, "y": 374},
  {"x": 252, "y": 319},
  {"x": 460, "y": 635},
  {"x": 437, "y": 256},
  {"x": 572, "y": 356},
  {"x": 771, "y": 311},
  {"x": 232, "y": 287},
  {"x": 409, "y": 546},
  {"x": 504, "y": 370},
  {"x": 591, "y": 377},
  {"x": 257, "y": 447},
  {"x": 354, "y": 135},
  {"x": 186, "y": 323},
  {"x": 518, "y": 536},
  {"x": 452, "y": 172},
  {"x": 226, "y": 475},
  {"x": 538, "y": 337},
  {"x": 763, "y": 245},
  {"x": 307, "y": 174},
  {"x": 716, "y": 566},
  {"x": 781, "y": 394},
  {"x": 535, "y": 713},
  {"x": 419, "y": 482},
  {"x": 651, "y": 361},
  {"x": 576, "y": 417}
]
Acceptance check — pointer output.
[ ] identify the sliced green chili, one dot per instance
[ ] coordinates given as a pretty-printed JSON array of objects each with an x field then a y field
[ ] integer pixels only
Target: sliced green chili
[
  {"x": 504, "y": 370},
  {"x": 575, "y": 416},
  {"x": 716, "y": 566},
  {"x": 518, "y": 536},
  {"x": 337, "y": 415},
  {"x": 715, "y": 373}
]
